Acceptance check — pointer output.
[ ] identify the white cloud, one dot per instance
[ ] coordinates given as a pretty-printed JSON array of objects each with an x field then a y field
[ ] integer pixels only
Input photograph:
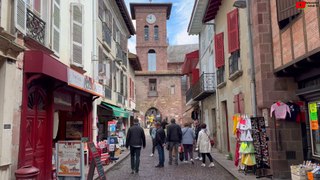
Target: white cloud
[
  {"x": 183, "y": 38},
  {"x": 132, "y": 44}
]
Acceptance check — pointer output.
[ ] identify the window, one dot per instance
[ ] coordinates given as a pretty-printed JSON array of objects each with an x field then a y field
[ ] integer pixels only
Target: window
[
  {"x": 104, "y": 68},
  {"x": 146, "y": 33},
  {"x": 220, "y": 75},
  {"x": 172, "y": 89},
  {"x": 77, "y": 34},
  {"x": 314, "y": 109},
  {"x": 286, "y": 12},
  {"x": 122, "y": 83},
  {"x": 35, "y": 6},
  {"x": 234, "y": 64},
  {"x": 152, "y": 88},
  {"x": 233, "y": 31},
  {"x": 56, "y": 27},
  {"x": 152, "y": 84},
  {"x": 156, "y": 32},
  {"x": 152, "y": 60}
]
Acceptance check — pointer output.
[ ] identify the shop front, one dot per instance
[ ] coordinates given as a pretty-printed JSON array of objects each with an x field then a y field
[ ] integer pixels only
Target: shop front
[
  {"x": 113, "y": 122},
  {"x": 56, "y": 106}
]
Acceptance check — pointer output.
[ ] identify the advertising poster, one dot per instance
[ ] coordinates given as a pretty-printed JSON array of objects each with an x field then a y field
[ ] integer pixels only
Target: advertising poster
[{"x": 69, "y": 158}]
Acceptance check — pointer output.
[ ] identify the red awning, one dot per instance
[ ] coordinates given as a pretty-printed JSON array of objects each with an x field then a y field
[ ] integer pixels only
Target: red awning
[
  {"x": 36, "y": 61},
  {"x": 190, "y": 62}
]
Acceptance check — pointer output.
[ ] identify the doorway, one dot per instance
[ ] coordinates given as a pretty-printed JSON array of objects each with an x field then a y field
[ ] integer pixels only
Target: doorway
[{"x": 226, "y": 125}]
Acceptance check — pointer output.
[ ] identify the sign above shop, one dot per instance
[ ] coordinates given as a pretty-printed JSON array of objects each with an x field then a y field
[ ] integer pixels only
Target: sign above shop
[{"x": 84, "y": 83}]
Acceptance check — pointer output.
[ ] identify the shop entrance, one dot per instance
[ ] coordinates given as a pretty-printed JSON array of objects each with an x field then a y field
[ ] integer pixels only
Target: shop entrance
[
  {"x": 153, "y": 114},
  {"x": 226, "y": 125}
]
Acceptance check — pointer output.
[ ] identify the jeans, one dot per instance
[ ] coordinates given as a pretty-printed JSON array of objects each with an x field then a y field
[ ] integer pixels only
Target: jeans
[
  {"x": 135, "y": 158},
  {"x": 204, "y": 157},
  {"x": 188, "y": 149},
  {"x": 161, "y": 154},
  {"x": 173, "y": 146}
]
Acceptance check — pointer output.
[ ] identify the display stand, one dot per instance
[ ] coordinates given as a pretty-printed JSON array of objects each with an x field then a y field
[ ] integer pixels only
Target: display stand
[{"x": 261, "y": 146}]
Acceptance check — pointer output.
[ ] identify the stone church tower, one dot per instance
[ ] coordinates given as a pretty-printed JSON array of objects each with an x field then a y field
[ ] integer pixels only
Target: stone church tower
[{"x": 158, "y": 85}]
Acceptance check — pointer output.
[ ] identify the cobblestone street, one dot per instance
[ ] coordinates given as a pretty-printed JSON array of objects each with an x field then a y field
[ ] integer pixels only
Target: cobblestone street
[{"x": 182, "y": 171}]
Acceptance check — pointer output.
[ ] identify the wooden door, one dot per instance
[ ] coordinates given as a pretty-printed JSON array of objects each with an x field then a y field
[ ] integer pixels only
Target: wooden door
[{"x": 36, "y": 139}]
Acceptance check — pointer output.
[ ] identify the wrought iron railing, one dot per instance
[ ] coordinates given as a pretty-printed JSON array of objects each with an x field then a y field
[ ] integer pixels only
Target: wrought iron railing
[
  {"x": 106, "y": 34},
  {"x": 189, "y": 94},
  {"x": 204, "y": 85},
  {"x": 36, "y": 27}
]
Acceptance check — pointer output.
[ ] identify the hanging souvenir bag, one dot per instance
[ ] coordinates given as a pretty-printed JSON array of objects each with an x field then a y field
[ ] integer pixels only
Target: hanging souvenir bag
[{"x": 211, "y": 140}]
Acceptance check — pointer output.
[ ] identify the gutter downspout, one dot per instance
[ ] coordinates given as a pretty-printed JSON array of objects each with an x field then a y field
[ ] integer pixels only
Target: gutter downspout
[
  {"x": 252, "y": 67},
  {"x": 94, "y": 60}
]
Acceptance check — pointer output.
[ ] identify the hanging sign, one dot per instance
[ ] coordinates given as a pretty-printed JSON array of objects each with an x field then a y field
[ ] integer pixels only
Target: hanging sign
[{"x": 69, "y": 159}]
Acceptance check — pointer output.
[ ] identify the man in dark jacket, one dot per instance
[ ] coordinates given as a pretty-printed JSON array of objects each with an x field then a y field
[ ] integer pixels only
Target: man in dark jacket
[
  {"x": 135, "y": 139},
  {"x": 174, "y": 137},
  {"x": 160, "y": 142}
]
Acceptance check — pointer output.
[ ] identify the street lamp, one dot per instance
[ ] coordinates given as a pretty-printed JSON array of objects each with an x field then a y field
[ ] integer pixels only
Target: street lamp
[{"x": 246, "y": 4}]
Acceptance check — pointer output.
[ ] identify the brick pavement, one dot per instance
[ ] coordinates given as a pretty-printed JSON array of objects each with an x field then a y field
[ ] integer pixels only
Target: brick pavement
[{"x": 184, "y": 171}]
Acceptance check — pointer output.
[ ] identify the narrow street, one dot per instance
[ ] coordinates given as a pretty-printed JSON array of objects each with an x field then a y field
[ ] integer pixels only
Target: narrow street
[{"x": 182, "y": 171}]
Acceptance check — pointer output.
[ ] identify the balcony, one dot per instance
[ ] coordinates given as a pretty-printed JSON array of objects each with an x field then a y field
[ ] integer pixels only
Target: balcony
[
  {"x": 189, "y": 98},
  {"x": 204, "y": 87},
  {"x": 106, "y": 34},
  {"x": 35, "y": 27}
]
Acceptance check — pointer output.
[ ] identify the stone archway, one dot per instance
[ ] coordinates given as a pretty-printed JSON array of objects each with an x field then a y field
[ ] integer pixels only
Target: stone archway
[{"x": 152, "y": 114}]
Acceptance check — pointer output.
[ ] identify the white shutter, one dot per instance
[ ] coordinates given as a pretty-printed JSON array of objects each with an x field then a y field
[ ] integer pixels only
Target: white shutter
[
  {"x": 20, "y": 15},
  {"x": 77, "y": 34},
  {"x": 56, "y": 27}
]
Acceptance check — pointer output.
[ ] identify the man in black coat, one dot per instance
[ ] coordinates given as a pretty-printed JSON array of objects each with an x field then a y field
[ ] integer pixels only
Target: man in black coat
[
  {"x": 135, "y": 139},
  {"x": 174, "y": 137},
  {"x": 160, "y": 142}
]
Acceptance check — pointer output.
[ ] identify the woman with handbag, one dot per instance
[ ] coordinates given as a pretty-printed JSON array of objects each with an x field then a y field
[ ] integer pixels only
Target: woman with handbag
[{"x": 204, "y": 145}]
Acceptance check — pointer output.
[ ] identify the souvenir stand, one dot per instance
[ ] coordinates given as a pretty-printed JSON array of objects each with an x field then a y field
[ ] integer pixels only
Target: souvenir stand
[
  {"x": 245, "y": 149},
  {"x": 260, "y": 145}
]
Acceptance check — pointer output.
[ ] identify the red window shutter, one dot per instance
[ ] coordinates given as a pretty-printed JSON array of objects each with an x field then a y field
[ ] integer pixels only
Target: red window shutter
[
  {"x": 219, "y": 48},
  {"x": 195, "y": 76},
  {"x": 233, "y": 31},
  {"x": 236, "y": 104},
  {"x": 241, "y": 103}
]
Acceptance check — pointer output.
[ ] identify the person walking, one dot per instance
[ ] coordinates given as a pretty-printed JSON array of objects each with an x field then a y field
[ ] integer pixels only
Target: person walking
[
  {"x": 188, "y": 137},
  {"x": 152, "y": 133},
  {"x": 204, "y": 146},
  {"x": 160, "y": 142},
  {"x": 174, "y": 137},
  {"x": 197, "y": 129},
  {"x": 135, "y": 139}
]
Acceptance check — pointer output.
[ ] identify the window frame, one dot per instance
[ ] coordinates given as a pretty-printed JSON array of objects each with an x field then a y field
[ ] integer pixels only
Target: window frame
[
  {"x": 221, "y": 75},
  {"x": 156, "y": 32},
  {"x": 146, "y": 32}
]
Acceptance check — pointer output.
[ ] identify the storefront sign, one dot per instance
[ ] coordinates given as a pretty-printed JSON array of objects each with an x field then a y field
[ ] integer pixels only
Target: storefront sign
[
  {"x": 84, "y": 83},
  {"x": 69, "y": 159}
]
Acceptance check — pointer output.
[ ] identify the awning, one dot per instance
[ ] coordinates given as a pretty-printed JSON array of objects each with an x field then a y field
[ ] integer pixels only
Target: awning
[
  {"x": 117, "y": 111},
  {"x": 190, "y": 62}
]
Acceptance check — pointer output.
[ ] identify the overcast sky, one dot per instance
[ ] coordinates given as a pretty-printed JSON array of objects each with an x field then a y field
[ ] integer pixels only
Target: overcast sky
[{"x": 177, "y": 24}]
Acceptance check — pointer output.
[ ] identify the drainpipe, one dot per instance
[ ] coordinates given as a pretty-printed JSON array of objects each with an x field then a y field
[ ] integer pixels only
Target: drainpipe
[
  {"x": 94, "y": 60},
  {"x": 252, "y": 67}
]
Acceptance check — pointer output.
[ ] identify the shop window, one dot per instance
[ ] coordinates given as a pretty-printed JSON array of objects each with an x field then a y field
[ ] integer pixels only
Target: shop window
[
  {"x": 152, "y": 88},
  {"x": 287, "y": 12},
  {"x": 314, "y": 109},
  {"x": 146, "y": 33}
]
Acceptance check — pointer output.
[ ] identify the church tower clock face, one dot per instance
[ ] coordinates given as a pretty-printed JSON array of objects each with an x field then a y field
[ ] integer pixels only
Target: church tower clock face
[{"x": 151, "y": 18}]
